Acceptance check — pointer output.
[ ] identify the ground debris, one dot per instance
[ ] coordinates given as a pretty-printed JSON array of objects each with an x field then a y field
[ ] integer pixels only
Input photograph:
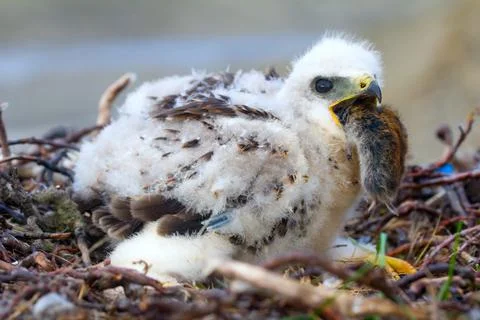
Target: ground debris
[{"x": 53, "y": 260}]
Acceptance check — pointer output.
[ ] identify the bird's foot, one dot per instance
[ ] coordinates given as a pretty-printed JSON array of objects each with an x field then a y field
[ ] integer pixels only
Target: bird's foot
[
  {"x": 347, "y": 251},
  {"x": 393, "y": 266}
]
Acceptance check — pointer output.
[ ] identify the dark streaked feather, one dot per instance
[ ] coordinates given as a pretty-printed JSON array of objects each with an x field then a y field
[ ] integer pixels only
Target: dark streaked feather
[
  {"x": 271, "y": 74},
  {"x": 180, "y": 224},
  {"x": 191, "y": 143},
  {"x": 123, "y": 230},
  {"x": 152, "y": 207},
  {"x": 98, "y": 214},
  {"x": 248, "y": 145},
  {"x": 120, "y": 208},
  {"x": 212, "y": 82},
  {"x": 168, "y": 102},
  {"x": 198, "y": 110},
  {"x": 114, "y": 227}
]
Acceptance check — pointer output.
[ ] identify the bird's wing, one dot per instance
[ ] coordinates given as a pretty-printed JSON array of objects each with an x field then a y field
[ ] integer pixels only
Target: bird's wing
[{"x": 122, "y": 215}]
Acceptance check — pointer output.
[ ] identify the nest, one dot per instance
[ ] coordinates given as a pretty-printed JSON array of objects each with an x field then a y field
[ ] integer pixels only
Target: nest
[{"x": 53, "y": 260}]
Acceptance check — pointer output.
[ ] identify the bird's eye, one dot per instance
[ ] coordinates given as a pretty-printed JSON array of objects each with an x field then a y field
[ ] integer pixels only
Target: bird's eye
[{"x": 323, "y": 85}]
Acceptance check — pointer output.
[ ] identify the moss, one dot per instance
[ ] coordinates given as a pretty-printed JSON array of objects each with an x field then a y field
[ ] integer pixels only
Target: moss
[
  {"x": 64, "y": 212},
  {"x": 13, "y": 194}
]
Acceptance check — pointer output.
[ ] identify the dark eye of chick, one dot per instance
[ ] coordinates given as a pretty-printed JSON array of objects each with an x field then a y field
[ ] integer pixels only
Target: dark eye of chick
[{"x": 323, "y": 85}]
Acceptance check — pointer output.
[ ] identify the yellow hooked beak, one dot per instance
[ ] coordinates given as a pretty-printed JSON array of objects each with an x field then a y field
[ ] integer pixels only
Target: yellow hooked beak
[{"x": 364, "y": 87}]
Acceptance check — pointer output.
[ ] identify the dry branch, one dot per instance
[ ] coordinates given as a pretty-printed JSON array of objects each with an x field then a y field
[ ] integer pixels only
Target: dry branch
[
  {"x": 109, "y": 95},
  {"x": 33, "y": 140},
  {"x": 40, "y": 162},
  {"x": 3, "y": 133},
  {"x": 316, "y": 297},
  {"x": 374, "y": 278},
  {"x": 447, "y": 242},
  {"x": 474, "y": 174}
]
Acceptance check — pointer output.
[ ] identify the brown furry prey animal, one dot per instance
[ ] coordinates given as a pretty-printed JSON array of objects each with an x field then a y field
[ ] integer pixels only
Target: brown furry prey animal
[
  {"x": 379, "y": 138},
  {"x": 242, "y": 165}
]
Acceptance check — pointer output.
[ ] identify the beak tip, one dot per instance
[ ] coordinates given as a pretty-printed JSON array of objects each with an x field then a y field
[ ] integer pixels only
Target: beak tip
[{"x": 374, "y": 90}]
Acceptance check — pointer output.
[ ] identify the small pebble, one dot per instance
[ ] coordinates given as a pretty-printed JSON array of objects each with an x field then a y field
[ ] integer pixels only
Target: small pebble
[{"x": 51, "y": 305}]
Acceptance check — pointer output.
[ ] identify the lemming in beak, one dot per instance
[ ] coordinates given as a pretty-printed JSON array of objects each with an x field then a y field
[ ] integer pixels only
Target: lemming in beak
[{"x": 365, "y": 87}]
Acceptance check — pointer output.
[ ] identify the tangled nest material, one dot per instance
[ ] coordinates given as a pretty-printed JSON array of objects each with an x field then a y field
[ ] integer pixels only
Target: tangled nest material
[{"x": 52, "y": 259}]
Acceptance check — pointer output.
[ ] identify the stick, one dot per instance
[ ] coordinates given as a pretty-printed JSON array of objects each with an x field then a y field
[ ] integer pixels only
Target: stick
[
  {"x": 464, "y": 131},
  {"x": 33, "y": 140},
  {"x": 442, "y": 180},
  {"x": 41, "y": 235},
  {"x": 374, "y": 278},
  {"x": 109, "y": 95},
  {"x": 435, "y": 269},
  {"x": 82, "y": 244},
  {"x": 3, "y": 133},
  {"x": 40, "y": 162},
  {"x": 316, "y": 297},
  {"x": 445, "y": 243}
]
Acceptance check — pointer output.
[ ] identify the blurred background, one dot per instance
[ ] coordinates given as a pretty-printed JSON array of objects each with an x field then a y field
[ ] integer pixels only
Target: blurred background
[{"x": 57, "y": 56}]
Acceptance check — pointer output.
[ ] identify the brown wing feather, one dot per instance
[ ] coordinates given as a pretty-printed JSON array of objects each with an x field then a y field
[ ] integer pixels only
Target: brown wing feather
[
  {"x": 124, "y": 216},
  {"x": 153, "y": 207},
  {"x": 182, "y": 223},
  {"x": 113, "y": 226},
  {"x": 120, "y": 208},
  {"x": 208, "y": 108}
]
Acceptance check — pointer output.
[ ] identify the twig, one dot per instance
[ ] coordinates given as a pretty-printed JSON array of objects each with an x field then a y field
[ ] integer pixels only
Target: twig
[
  {"x": 374, "y": 279},
  {"x": 408, "y": 246},
  {"x": 445, "y": 243},
  {"x": 474, "y": 174},
  {"x": 408, "y": 206},
  {"x": 3, "y": 133},
  {"x": 17, "y": 216},
  {"x": 82, "y": 245},
  {"x": 37, "y": 258},
  {"x": 404, "y": 209},
  {"x": 33, "y": 140},
  {"x": 449, "y": 156},
  {"x": 76, "y": 136},
  {"x": 109, "y": 95},
  {"x": 10, "y": 241},
  {"x": 316, "y": 297},
  {"x": 40, "y": 162},
  {"x": 47, "y": 175},
  {"x": 6, "y": 266},
  {"x": 41, "y": 235},
  {"x": 435, "y": 269},
  {"x": 418, "y": 286},
  {"x": 464, "y": 131},
  {"x": 468, "y": 242}
]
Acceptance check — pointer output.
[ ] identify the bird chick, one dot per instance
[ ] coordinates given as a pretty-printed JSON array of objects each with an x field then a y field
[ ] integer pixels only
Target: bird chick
[
  {"x": 379, "y": 138},
  {"x": 245, "y": 165}
]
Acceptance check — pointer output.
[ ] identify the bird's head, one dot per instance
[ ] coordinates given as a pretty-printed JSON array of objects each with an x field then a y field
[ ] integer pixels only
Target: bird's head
[{"x": 333, "y": 74}]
